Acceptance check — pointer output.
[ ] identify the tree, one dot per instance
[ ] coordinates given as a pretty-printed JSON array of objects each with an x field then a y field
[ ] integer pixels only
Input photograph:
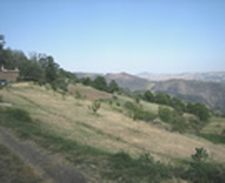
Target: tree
[
  {"x": 86, "y": 81},
  {"x": 200, "y": 155},
  {"x": 165, "y": 114},
  {"x": 148, "y": 96},
  {"x": 31, "y": 71},
  {"x": 162, "y": 98},
  {"x": 2, "y": 41},
  {"x": 178, "y": 105},
  {"x": 199, "y": 110},
  {"x": 51, "y": 70},
  {"x": 113, "y": 86},
  {"x": 100, "y": 83}
]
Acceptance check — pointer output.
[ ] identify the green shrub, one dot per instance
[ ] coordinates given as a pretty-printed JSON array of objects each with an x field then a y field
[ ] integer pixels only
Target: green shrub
[
  {"x": 177, "y": 122},
  {"x": 215, "y": 138},
  {"x": 199, "y": 110},
  {"x": 136, "y": 112},
  {"x": 200, "y": 154},
  {"x": 114, "y": 97},
  {"x": 110, "y": 102},
  {"x": 137, "y": 100},
  {"x": 117, "y": 104},
  {"x": 1, "y": 98},
  {"x": 126, "y": 169},
  {"x": 96, "y": 106},
  {"x": 78, "y": 95},
  {"x": 205, "y": 172},
  {"x": 19, "y": 114}
]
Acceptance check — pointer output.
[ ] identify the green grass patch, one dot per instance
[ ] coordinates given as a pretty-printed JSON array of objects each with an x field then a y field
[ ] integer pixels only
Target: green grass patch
[
  {"x": 204, "y": 172},
  {"x": 137, "y": 112},
  {"x": 126, "y": 169},
  {"x": 215, "y": 138}
]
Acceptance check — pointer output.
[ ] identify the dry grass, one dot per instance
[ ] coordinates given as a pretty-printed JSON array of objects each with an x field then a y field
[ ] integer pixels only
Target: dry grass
[
  {"x": 88, "y": 92},
  {"x": 109, "y": 130},
  {"x": 217, "y": 126}
]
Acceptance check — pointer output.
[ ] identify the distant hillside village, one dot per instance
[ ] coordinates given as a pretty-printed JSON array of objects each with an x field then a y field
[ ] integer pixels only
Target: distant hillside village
[{"x": 7, "y": 75}]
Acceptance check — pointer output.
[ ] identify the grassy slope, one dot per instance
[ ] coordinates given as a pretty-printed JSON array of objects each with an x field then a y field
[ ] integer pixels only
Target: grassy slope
[
  {"x": 110, "y": 131},
  {"x": 215, "y": 131}
]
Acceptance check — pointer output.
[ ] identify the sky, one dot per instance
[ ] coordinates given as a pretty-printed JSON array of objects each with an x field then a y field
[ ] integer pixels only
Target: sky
[{"x": 156, "y": 36}]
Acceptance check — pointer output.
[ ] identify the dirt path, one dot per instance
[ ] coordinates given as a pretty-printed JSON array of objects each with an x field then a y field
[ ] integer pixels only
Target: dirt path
[{"x": 51, "y": 168}]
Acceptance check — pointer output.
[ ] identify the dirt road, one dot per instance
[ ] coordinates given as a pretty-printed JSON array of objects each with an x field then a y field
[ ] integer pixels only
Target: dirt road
[{"x": 51, "y": 168}]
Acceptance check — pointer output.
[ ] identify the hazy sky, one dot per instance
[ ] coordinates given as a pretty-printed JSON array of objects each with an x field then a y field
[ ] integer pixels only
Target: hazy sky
[{"x": 159, "y": 36}]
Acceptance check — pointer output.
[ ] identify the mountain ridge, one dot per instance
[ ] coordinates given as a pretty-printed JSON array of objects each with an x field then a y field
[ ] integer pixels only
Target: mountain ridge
[
  {"x": 199, "y": 76},
  {"x": 205, "y": 89}
]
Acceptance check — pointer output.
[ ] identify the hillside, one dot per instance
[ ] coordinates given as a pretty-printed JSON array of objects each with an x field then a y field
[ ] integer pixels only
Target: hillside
[
  {"x": 128, "y": 81},
  {"x": 123, "y": 79},
  {"x": 70, "y": 120},
  {"x": 210, "y": 93}
]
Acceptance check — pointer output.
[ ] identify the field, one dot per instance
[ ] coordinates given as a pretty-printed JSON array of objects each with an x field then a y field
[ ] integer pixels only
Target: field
[{"x": 69, "y": 119}]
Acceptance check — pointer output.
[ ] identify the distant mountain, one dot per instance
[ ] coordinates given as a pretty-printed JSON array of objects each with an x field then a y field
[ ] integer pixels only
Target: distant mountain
[
  {"x": 128, "y": 81},
  {"x": 210, "y": 93},
  {"x": 208, "y": 76},
  {"x": 87, "y": 74},
  {"x": 123, "y": 79}
]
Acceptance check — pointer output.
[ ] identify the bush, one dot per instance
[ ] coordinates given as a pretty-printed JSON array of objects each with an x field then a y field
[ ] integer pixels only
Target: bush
[
  {"x": 177, "y": 122},
  {"x": 126, "y": 169},
  {"x": 215, "y": 138},
  {"x": 78, "y": 95},
  {"x": 149, "y": 96},
  {"x": 137, "y": 100},
  {"x": 96, "y": 106},
  {"x": 200, "y": 154},
  {"x": 114, "y": 97},
  {"x": 138, "y": 113},
  {"x": 117, "y": 104},
  {"x": 19, "y": 114},
  {"x": 199, "y": 110}
]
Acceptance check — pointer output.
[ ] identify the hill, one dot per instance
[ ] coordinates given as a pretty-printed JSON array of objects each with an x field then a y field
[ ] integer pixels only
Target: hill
[
  {"x": 123, "y": 79},
  {"x": 210, "y": 93},
  {"x": 66, "y": 125},
  {"x": 128, "y": 81},
  {"x": 207, "y": 76}
]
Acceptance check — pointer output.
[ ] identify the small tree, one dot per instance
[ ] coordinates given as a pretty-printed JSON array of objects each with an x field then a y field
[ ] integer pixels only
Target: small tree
[
  {"x": 96, "y": 106},
  {"x": 148, "y": 96},
  {"x": 86, "y": 81},
  {"x": 78, "y": 95},
  {"x": 200, "y": 155},
  {"x": 113, "y": 86},
  {"x": 137, "y": 100},
  {"x": 100, "y": 83},
  {"x": 2, "y": 41}
]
